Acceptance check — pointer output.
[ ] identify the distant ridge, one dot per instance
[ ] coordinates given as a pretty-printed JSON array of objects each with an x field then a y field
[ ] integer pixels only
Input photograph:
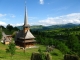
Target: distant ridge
[{"x": 41, "y": 27}]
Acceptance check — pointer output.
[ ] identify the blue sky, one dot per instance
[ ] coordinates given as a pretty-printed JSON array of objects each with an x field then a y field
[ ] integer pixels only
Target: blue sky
[{"x": 40, "y": 12}]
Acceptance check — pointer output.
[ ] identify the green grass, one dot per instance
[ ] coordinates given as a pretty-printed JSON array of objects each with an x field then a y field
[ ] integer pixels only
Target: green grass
[
  {"x": 19, "y": 55},
  {"x": 56, "y": 55}
]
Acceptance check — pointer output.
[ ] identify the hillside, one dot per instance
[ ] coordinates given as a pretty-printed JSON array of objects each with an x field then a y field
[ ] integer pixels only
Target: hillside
[
  {"x": 67, "y": 40},
  {"x": 40, "y": 27},
  {"x": 19, "y": 55}
]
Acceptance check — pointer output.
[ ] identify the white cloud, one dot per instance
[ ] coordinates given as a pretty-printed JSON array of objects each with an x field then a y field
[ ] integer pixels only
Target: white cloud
[
  {"x": 70, "y": 18},
  {"x": 41, "y": 1},
  {"x": 3, "y": 23},
  {"x": 2, "y": 15},
  {"x": 17, "y": 24}
]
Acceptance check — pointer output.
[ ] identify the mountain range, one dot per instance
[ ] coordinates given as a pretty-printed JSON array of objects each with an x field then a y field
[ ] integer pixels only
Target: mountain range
[{"x": 41, "y": 27}]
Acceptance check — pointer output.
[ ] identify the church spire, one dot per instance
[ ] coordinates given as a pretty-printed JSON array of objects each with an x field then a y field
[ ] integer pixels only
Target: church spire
[{"x": 25, "y": 17}]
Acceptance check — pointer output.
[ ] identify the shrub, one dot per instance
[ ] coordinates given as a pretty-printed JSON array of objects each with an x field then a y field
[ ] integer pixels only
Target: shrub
[
  {"x": 54, "y": 53},
  {"x": 11, "y": 49},
  {"x": 71, "y": 57},
  {"x": 63, "y": 48},
  {"x": 37, "y": 56}
]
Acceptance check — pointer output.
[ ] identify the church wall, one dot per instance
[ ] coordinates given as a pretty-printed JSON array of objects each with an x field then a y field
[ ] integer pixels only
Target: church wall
[
  {"x": 24, "y": 44},
  {"x": 6, "y": 43}
]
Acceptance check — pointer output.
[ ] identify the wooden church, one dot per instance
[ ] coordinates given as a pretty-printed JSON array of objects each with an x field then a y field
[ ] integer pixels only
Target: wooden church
[{"x": 24, "y": 38}]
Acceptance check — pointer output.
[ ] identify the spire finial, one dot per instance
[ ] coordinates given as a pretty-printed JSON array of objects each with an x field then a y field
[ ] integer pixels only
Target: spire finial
[{"x": 25, "y": 17}]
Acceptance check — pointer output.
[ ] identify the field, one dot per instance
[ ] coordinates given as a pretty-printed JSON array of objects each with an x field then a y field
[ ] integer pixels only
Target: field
[{"x": 19, "y": 55}]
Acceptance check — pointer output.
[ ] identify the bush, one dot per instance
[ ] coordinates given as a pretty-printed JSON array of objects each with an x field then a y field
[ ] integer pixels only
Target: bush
[
  {"x": 11, "y": 49},
  {"x": 54, "y": 53},
  {"x": 71, "y": 57},
  {"x": 63, "y": 48},
  {"x": 37, "y": 56}
]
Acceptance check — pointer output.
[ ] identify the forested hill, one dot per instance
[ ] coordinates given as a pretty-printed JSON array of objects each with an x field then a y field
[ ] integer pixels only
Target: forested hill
[
  {"x": 9, "y": 29},
  {"x": 67, "y": 40},
  {"x": 40, "y": 27}
]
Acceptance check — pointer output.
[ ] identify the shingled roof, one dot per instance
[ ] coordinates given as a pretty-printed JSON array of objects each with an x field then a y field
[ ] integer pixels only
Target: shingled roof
[{"x": 23, "y": 35}]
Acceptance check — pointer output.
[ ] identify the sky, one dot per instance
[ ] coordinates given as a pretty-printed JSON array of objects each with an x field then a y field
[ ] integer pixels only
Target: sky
[{"x": 40, "y": 12}]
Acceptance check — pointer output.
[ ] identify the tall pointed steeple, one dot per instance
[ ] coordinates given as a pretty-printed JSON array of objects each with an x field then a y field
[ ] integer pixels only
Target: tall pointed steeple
[
  {"x": 25, "y": 18},
  {"x": 24, "y": 38}
]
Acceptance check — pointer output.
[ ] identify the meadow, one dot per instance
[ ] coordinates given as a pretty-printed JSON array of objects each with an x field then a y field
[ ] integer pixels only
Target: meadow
[{"x": 20, "y": 55}]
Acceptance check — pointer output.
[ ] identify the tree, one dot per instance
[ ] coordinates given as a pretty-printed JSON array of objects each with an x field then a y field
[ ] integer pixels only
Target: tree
[
  {"x": 11, "y": 49},
  {"x": 15, "y": 28},
  {"x": 9, "y": 27},
  {"x": 63, "y": 48},
  {"x": 73, "y": 43},
  {"x": 0, "y": 34}
]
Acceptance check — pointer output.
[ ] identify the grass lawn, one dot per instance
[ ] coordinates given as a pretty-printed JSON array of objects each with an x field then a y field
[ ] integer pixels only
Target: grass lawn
[{"x": 19, "y": 55}]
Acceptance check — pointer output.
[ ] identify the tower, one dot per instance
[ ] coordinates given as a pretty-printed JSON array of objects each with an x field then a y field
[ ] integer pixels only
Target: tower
[{"x": 26, "y": 26}]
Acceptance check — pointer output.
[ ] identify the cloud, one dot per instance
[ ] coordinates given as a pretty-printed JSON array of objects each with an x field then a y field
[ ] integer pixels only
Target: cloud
[
  {"x": 2, "y": 15},
  {"x": 41, "y": 1},
  {"x": 10, "y": 15},
  {"x": 3, "y": 23},
  {"x": 17, "y": 24},
  {"x": 70, "y": 18}
]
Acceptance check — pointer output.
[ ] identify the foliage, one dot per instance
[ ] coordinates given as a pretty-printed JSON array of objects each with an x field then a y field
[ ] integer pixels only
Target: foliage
[
  {"x": 71, "y": 57},
  {"x": 9, "y": 29},
  {"x": 73, "y": 43},
  {"x": 0, "y": 34},
  {"x": 11, "y": 49},
  {"x": 63, "y": 48},
  {"x": 38, "y": 56},
  {"x": 54, "y": 53},
  {"x": 67, "y": 40},
  {"x": 42, "y": 55}
]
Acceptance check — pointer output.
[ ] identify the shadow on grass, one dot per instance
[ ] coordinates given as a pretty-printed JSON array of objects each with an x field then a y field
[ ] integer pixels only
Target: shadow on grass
[{"x": 1, "y": 57}]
